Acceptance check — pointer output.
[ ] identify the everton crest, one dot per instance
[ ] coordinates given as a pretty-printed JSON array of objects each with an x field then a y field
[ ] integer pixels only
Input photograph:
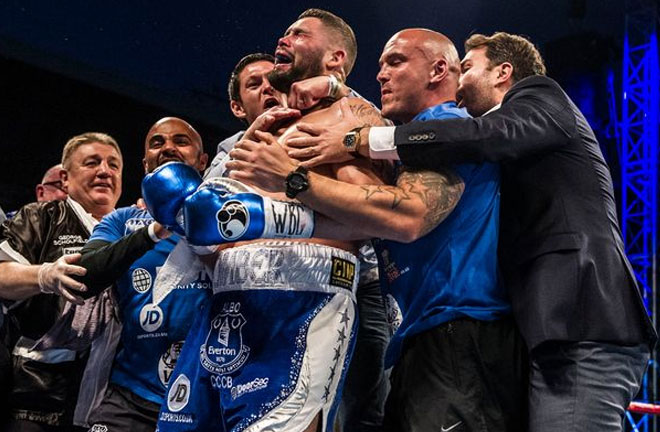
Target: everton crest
[{"x": 223, "y": 351}]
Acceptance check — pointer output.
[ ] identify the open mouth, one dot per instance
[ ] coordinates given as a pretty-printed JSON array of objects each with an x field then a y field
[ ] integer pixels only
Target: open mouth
[
  {"x": 166, "y": 159},
  {"x": 271, "y": 102},
  {"x": 283, "y": 58}
]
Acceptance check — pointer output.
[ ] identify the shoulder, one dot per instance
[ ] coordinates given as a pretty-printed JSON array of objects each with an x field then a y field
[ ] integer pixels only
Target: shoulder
[
  {"x": 39, "y": 211},
  {"x": 120, "y": 222},
  {"x": 365, "y": 112},
  {"x": 537, "y": 86},
  {"x": 121, "y": 214}
]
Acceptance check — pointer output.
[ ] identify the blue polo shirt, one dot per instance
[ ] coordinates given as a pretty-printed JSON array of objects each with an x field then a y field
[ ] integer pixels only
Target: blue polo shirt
[{"x": 452, "y": 271}]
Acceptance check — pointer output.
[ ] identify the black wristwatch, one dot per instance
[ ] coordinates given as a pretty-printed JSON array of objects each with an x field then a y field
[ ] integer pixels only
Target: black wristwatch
[{"x": 296, "y": 182}]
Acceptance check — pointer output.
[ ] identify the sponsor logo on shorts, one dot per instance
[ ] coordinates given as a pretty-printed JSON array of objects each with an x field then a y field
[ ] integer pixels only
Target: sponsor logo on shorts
[
  {"x": 179, "y": 394},
  {"x": 99, "y": 428},
  {"x": 221, "y": 382},
  {"x": 343, "y": 273},
  {"x": 151, "y": 317},
  {"x": 167, "y": 362},
  {"x": 241, "y": 389},
  {"x": 260, "y": 268},
  {"x": 233, "y": 220},
  {"x": 141, "y": 280},
  {"x": 175, "y": 418},
  {"x": 134, "y": 224},
  {"x": 223, "y": 351}
]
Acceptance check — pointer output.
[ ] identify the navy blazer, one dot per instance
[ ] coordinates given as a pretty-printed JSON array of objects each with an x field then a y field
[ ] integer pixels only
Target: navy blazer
[{"x": 560, "y": 249}]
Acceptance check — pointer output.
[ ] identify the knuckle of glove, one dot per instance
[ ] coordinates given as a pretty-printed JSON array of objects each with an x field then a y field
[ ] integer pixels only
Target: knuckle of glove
[{"x": 165, "y": 189}]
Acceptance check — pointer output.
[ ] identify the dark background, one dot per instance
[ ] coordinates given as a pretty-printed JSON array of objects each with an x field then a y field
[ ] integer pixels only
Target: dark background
[{"x": 68, "y": 67}]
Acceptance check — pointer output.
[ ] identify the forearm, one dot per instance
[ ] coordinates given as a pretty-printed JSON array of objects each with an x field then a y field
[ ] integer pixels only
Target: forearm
[
  {"x": 513, "y": 132},
  {"x": 105, "y": 262},
  {"x": 327, "y": 228},
  {"x": 18, "y": 281},
  {"x": 369, "y": 210}
]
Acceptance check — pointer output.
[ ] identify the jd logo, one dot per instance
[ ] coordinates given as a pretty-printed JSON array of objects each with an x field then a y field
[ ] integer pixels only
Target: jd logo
[
  {"x": 177, "y": 397},
  {"x": 224, "y": 351},
  {"x": 151, "y": 317}
]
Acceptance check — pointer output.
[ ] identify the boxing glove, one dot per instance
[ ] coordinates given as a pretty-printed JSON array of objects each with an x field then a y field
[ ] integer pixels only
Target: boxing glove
[
  {"x": 165, "y": 189},
  {"x": 225, "y": 210}
]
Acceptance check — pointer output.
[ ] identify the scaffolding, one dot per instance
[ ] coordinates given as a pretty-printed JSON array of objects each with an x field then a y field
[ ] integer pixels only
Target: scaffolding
[{"x": 639, "y": 173}]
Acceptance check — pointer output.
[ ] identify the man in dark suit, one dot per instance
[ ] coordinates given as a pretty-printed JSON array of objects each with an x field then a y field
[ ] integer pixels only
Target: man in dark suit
[{"x": 573, "y": 291}]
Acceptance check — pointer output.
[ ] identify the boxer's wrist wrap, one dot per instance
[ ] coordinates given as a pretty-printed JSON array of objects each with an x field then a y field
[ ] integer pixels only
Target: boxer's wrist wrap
[{"x": 287, "y": 219}]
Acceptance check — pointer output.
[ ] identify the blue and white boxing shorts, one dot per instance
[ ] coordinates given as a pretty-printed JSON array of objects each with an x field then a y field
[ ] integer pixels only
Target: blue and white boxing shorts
[{"x": 271, "y": 350}]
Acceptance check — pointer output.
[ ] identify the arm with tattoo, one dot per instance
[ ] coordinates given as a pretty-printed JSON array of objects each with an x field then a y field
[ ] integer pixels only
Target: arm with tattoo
[{"x": 418, "y": 202}]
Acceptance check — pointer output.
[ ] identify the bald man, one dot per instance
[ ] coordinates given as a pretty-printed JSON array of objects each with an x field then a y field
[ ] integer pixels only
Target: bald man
[
  {"x": 456, "y": 353},
  {"x": 125, "y": 250},
  {"x": 51, "y": 187}
]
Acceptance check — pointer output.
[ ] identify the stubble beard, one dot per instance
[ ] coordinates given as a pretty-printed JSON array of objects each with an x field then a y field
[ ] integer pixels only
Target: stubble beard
[{"x": 282, "y": 80}]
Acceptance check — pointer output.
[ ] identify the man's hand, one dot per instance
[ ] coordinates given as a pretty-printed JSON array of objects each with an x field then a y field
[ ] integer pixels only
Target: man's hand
[
  {"x": 140, "y": 204},
  {"x": 263, "y": 164},
  {"x": 325, "y": 144},
  {"x": 53, "y": 278},
  {"x": 268, "y": 119},
  {"x": 160, "y": 231}
]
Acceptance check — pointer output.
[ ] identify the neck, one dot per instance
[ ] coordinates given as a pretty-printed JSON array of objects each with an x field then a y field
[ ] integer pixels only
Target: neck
[{"x": 96, "y": 210}]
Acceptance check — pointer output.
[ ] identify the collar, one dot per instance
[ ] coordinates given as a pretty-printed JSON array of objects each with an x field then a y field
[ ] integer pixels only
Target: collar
[
  {"x": 441, "y": 110},
  {"x": 87, "y": 219},
  {"x": 495, "y": 108}
]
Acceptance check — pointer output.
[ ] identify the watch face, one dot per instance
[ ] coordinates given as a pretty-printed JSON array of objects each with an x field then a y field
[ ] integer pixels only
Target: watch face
[
  {"x": 297, "y": 181},
  {"x": 349, "y": 140}
]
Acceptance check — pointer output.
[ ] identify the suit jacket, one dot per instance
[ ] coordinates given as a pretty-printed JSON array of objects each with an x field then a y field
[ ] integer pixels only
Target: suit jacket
[{"x": 560, "y": 248}]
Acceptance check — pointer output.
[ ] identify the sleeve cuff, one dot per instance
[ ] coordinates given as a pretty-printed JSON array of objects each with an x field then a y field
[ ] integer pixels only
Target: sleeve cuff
[
  {"x": 152, "y": 232},
  {"x": 381, "y": 143}
]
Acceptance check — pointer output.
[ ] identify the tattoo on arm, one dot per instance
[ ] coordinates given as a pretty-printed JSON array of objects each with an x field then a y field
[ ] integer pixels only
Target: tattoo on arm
[
  {"x": 367, "y": 113},
  {"x": 439, "y": 192}
]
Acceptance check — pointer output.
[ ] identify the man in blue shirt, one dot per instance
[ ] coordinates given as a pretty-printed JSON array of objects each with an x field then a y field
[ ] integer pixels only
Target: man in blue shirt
[
  {"x": 456, "y": 353},
  {"x": 126, "y": 249}
]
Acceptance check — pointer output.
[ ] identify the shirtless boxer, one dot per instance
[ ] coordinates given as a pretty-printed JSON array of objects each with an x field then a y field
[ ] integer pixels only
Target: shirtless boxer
[{"x": 271, "y": 350}]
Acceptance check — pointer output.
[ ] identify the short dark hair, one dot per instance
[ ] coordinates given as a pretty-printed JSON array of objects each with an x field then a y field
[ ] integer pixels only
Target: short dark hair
[
  {"x": 234, "y": 80},
  {"x": 341, "y": 29},
  {"x": 504, "y": 47}
]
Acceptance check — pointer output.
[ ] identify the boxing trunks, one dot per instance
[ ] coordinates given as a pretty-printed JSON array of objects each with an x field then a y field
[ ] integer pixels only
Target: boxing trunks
[{"x": 270, "y": 351}]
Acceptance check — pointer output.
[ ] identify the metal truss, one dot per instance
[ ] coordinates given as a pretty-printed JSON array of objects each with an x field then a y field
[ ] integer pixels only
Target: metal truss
[{"x": 639, "y": 171}]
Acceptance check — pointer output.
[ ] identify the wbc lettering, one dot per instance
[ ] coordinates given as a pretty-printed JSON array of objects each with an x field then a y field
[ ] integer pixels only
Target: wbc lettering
[{"x": 288, "y": 219}]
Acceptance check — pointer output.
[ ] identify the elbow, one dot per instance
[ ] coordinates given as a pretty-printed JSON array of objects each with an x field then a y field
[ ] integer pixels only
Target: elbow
[{"x": 407, "y": 230}]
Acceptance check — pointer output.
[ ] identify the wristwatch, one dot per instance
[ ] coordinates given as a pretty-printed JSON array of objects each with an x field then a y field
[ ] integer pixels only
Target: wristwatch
[
  {"x": 296, "y": 182},
  {"x": 352, "y": 140}
]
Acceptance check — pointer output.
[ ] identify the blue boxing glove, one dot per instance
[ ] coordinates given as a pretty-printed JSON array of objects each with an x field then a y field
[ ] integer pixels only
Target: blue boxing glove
[
  {"x": 165, "y": 189},
  {"x": 224, "y": 210}
]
